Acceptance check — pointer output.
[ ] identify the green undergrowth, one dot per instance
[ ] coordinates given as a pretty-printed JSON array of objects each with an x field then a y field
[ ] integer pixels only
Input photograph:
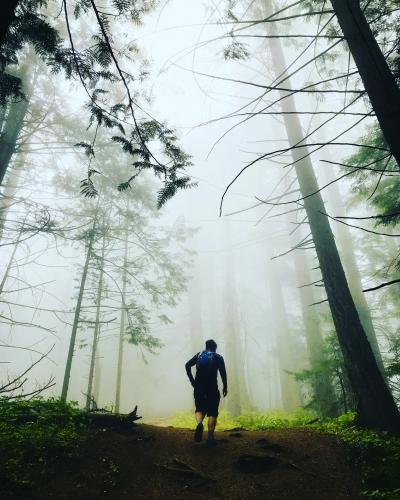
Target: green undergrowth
[
  {"x": 251, "y": 421},
  {"x": 185, "y": 420},
  {"x": 34, "y": 435},
  {"x": 376, "y": 456}
]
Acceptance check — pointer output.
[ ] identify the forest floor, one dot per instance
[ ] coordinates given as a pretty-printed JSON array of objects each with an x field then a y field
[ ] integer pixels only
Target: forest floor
[{"x": 153, "y": 462}]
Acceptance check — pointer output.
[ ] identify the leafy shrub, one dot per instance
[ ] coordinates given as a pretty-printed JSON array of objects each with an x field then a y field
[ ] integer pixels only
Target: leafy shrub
[
  {"x": 32, "y": 435},
  {"x": 378, "y": 456}
]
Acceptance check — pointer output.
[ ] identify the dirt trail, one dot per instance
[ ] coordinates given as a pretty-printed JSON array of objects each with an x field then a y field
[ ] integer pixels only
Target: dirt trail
[{"x": 161, "y": 463}]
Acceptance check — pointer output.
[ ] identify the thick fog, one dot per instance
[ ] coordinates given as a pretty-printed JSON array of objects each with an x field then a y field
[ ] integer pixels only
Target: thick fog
[{"x": 211, "y": 263}]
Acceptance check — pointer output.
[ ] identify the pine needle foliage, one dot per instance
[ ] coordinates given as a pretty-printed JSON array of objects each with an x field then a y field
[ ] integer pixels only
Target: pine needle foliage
[
  {"x": 97, "y": 63},
  {"x": 170, "y": 171},
  {"x": 377, "y": 180}
]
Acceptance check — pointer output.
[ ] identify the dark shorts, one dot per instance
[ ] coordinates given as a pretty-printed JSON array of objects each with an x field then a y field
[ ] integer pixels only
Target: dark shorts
[{"x": 207, "y": 401}]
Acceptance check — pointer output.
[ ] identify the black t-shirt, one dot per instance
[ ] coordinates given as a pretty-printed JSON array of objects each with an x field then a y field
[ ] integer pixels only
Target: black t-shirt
[{"x": 207, "y": 379}]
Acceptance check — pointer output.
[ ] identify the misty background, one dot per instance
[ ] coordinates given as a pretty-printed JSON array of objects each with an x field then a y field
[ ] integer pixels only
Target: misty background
[{"x": 239, "y": 275}]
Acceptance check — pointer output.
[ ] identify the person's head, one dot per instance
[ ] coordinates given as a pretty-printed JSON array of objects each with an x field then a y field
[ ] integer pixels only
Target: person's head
[{"x": 211, "y": 345}]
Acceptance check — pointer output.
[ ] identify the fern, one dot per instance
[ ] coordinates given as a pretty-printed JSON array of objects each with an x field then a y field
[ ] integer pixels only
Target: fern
[{"x": 88, "y": 189}]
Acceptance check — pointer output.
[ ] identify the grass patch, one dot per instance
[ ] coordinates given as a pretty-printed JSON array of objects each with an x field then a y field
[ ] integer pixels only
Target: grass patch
[
  {"x": 274, "y": 420},
  {"x": 185, "y": 420},
  {"x": 251, "y": 421},
  {"x": 33, "y": 436}
]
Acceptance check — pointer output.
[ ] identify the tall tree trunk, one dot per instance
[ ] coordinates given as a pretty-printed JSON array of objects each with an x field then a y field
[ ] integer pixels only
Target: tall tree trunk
[
  {"x": 96, "y": 333},
  {"x": 347, "y": 253},
  {"x": 14, "y": 118},
  {"x": 322, "y": 387},
  {"x": 375, "y": 404},
  {"x": 378, "y": 80},
  {"x": 14, "y": 113},
  {"x": 9, "y": 136},
  {"x": 75, "y": 324},
  {"x": 122, "y": 325},
  {"x": 238, "y": 397},
  {"x": 289, "y": 388},
  {"x": 8, "y": 8}
]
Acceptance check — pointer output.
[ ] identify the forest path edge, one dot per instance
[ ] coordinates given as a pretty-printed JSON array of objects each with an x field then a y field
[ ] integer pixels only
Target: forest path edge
[{"x": 164, "y": 462}]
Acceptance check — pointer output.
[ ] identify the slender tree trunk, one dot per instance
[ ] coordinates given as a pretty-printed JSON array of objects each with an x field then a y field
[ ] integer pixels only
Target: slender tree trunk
[
  {"x": 238, "y": 397},
  {"x": 9, "y": 265},
  {"x": 378, "y": 80},
  {"x": 122, "y": 326},
  {"x": 232, "y": 338},
  {"x": 96, "y": 380},
  {"x": 3, "y": 113},
  {"x": 375, "y": 404},
  {"x": 8, "y": 8},
  {"x": 289, "y": 388},
  {"x": 195, "y": 310},
  {"x": 7, "y": 195},
  {"x": 96, "y": 333},
  {"x": 75, "y": 324}
]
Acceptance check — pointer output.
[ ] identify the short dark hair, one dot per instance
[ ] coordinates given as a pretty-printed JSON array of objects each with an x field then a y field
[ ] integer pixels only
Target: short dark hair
[{"x": 211, "y": 345}]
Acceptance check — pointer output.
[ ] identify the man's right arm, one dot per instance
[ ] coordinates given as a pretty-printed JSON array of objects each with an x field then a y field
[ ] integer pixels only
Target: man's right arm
[
  {"x": 188, "y": 367},
  {"x": 222, "y": 372}
]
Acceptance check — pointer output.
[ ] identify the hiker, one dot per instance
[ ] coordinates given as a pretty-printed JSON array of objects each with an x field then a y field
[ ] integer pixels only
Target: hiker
[{"x": 206, "y": 393}]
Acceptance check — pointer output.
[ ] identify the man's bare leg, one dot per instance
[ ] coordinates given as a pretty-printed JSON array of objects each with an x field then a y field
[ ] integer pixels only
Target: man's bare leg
[
  {"x": 212, "y": 422},
  {"x": 199, "y": 415},
  {"x": 198, "y": 435}
]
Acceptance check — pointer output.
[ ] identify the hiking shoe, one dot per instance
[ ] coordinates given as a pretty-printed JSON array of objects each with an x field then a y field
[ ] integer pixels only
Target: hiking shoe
[
  {"x": 198, "y": 433},
  {"x": 210, "y": 443}
]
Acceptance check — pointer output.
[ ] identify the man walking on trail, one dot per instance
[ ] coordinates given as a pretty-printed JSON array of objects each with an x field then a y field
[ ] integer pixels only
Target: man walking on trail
[{"x": 206, "y": 393}]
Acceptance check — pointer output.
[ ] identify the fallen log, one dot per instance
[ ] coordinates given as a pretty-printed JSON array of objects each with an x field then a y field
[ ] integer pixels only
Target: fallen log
[{"x": 115, "y": 421}]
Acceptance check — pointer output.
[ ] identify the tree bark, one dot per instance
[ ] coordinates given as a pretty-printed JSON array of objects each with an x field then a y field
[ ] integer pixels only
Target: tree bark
[
  {"x": 9, "y": 135},
  {"x": 375, "y": 405},
  {"x": 378, "y": 80},
  {"x": 75, "y": 323},
  {"x": 14, "y": 114}
]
